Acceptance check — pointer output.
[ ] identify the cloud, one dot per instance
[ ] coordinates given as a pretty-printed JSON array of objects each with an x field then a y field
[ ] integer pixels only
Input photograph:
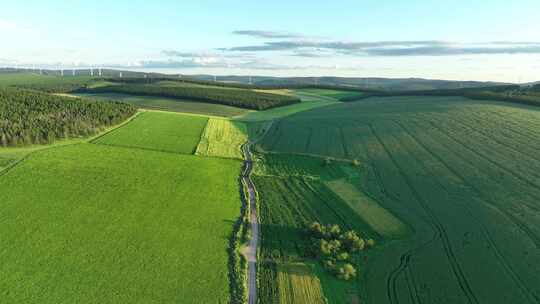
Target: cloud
[
  {"x": 448, "y": 51},
  {"x": 267, "y": 34},
  {"x": 310, "y": 54},
  {"x": 332, "y": 45},
  {"x": 394, "y": 48}
]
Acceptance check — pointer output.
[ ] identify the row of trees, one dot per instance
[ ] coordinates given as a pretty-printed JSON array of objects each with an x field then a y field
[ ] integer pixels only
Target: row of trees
[
  {"x": 335, "y": 248},
  {"x": 248, "y": 99},
  {"x": 30, "y": 117}
]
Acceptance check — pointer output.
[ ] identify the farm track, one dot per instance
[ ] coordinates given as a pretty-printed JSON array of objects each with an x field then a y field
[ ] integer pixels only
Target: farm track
[
  {"x": 251, "y": 252},
  {"x": 517, "y": 280},
  {"x": 443, "y": 236}
]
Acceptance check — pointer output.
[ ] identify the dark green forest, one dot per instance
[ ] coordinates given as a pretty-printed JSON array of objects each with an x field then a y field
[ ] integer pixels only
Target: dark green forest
[
  {"x": 233, "y": 97},
  {"x": 29, "y": 117}
]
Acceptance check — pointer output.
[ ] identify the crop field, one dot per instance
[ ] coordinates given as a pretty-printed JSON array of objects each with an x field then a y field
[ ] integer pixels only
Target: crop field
[
  {"x": 462, "y": 174},
  {"x": 222, "y": 138},
  {"x": 293, "y": 194},
  {"x": 168, "y": 104},
  {"x": 106, "y": 224},
  {"x": 309, "y": 101},
  {"x": 336, "y": 94},
  {"x": 160, "y": 131},
  {"x": 297, "y": 284}
]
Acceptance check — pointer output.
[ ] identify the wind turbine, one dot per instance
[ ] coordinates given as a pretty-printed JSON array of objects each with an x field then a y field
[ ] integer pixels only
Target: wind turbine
[
  {"x": 99, "y": 71},
  {"x": 91, "y": 71}
]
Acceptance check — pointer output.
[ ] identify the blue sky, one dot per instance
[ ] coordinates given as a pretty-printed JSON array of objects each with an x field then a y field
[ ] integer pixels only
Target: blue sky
[{"x": 476, "y": 40}]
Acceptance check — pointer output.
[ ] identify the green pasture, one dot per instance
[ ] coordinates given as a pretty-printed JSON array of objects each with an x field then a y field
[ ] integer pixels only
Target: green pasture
[
  {"x": 161, "y": 131},
  {"x": 90, "y": 223}
]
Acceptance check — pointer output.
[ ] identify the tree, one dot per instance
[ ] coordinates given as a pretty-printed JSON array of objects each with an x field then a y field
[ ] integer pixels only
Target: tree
[{"x": 346, "y": 272}]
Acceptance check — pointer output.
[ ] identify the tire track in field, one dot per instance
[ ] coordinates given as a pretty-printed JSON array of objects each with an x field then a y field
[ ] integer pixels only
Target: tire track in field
[
  {"x": 534, "y": 238},
  {"x": 517, "y": 280},
  {"x": 483, "y": 156},
  {"x": 507, "y": 126},
  {"x": 391, "y": 282},
  {"x": 507, "y": 146},
  {"x": 443, "y": 236}
]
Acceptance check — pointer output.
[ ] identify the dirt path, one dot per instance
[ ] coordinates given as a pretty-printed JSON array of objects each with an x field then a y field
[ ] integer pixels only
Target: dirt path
[{"x": 251, "y": 250}]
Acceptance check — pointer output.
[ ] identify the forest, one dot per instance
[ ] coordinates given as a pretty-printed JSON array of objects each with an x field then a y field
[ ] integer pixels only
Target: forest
[
  {"x": 240, "y": 98},
  {"x": 29, "y": 117}
]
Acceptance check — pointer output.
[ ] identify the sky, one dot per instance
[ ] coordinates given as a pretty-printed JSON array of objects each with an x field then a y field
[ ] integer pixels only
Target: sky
[{"x": 489, "y": 40}]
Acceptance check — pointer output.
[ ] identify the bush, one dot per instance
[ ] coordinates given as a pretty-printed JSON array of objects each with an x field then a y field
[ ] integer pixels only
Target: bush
[{"x": 346, "y": 272}]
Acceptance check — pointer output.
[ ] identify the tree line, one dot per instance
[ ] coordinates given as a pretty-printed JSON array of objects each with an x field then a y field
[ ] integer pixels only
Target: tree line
[
  {"x": 335, "y": 248},
  {"x": 30, "y": 117},
  {"x": 233, "y": 97}
]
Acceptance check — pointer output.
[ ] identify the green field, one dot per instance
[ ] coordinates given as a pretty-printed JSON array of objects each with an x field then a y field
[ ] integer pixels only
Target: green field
[
  {"x": 161, "y": 131},
  {"x": 336, "y": 94},
  {"x": 168, "y": 104},
  {"x": 98, "y": 224},
  {"x": 462, "y": 174},
  {"x": 288, "y": 203},
  {"x": 222, "y": 138},
  {"x": 309, "y": 101}
]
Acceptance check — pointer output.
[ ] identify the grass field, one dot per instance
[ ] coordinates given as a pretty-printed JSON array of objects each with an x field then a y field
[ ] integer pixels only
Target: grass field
[
  {"x": 28, "y": 78},
  {"x": 161, "y": 131},
  {"x": 169, "y": 104},
  {"x": 91, "y": 223},
  {"x": 222, "y": 138},
  {"x": 336, "y": 94},
  {"x": 289, "y": 201},
  {"x": 463, "y": 174},
  {"x": 298, "y": 284},
  {"x": 309, "y": 101}
]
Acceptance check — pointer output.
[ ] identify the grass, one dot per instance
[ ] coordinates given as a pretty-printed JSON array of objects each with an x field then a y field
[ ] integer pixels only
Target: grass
[
  {"x": 336, "y": 94},
  {"x": 29, "y": 78},
  {"x": 222, "y": 138},
  {"x": 169, "y": 104},
  {"x": 462, "y": 174},
  {"x": 297, "y": 284},
  {"x": 378, "y": 218},
  {"x": 99, "y": 224},
  {"x": 287, "y": 206},
  {"x": 161, "y": 131}
]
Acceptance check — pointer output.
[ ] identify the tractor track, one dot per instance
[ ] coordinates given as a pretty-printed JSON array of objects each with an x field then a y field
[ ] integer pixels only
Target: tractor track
[
  {"x": 524, "y": 289},
  {"x": 441, "y": 231}
]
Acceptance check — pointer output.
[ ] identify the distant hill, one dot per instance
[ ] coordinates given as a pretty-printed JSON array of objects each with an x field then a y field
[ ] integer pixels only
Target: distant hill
[
  {"x": 391, "y": 84},
  {"x": 387, "y": 84}
]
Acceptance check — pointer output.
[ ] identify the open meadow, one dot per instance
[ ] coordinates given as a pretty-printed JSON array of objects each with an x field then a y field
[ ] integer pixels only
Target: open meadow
[
  {"x": 106, "y": 224},
  {"x": 168, "y": 104},
  {"x": 160, "y": 131}
]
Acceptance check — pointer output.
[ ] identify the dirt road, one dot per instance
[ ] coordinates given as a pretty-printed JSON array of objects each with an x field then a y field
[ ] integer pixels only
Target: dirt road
[{"x": 251, "y": 250}]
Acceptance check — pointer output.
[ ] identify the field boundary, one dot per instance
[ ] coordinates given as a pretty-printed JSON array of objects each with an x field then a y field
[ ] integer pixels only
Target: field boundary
[{"x": 61, "y": 144}]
